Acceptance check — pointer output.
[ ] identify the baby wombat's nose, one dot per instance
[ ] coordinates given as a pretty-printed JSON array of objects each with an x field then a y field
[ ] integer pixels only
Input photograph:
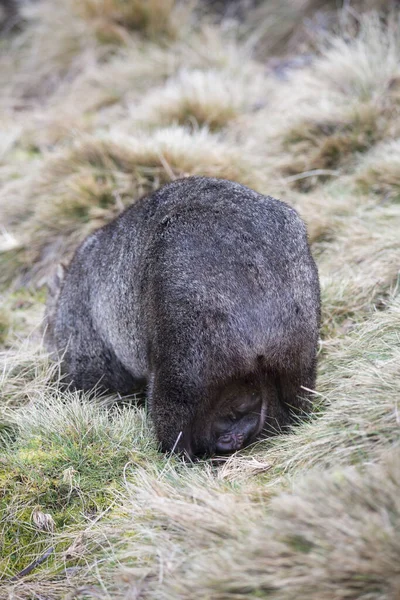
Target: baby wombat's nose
[{"x": 229, "y": 442}]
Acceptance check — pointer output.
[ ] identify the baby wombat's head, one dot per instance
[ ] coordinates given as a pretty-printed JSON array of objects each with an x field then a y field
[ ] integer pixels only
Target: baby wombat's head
[{"x": 235, "y": 420}]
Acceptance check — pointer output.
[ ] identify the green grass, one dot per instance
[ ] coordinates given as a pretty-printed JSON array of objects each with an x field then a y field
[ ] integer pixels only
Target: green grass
[{"x": 66, "y": 456}]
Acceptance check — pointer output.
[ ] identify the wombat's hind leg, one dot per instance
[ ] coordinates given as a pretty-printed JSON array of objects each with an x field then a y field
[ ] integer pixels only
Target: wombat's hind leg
[
  {"x": 172, "y": 402},
  {"x": 277, "y": 417},
  {"x": 90, "y": 364},
  {"x": 295, "y": 392}
]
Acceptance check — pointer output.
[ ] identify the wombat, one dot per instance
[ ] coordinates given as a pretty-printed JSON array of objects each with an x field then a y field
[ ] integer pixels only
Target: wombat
[{"x": 206, "y": 293}]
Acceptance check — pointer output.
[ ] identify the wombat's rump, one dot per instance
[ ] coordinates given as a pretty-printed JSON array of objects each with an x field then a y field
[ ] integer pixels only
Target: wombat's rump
[{"x": 206, "y": 292}]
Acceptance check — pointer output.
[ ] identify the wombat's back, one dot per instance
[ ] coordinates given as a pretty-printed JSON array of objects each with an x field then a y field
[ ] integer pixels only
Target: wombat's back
[{"x": 237, "y": 260}]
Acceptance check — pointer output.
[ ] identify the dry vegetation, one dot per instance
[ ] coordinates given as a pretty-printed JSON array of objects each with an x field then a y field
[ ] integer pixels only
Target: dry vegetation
[{"x": 105, "y": 100}]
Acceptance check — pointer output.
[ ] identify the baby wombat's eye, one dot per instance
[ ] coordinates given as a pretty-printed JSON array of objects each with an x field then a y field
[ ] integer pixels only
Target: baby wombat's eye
[{"x": 225, "y": 423}]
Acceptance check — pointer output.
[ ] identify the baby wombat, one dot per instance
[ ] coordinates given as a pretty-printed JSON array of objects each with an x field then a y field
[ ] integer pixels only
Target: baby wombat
[{"x": 206, "y": 292}]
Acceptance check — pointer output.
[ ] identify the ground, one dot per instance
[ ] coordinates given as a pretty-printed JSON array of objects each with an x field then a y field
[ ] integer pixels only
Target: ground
[{"x": 105, "y": 100}]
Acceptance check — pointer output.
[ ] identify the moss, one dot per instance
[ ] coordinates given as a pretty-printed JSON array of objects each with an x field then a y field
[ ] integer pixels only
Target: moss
[
  {"x": 299, "y": 543},
  {"x": 69, "y": 475}
]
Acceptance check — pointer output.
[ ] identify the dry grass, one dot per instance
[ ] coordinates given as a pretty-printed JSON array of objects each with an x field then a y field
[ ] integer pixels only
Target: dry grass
[
  {"x": 332, "y": 143},
  {"x": 105, "y": 101},
  {"x": 332, "y": 536},
  {"x": 360, "y": 267},
  {"x": 63, "y": 39},
  {"x": 53, "y": 46},
  {"x": 339, "y": 107},
  {"x": 380, "y": 173},
  {"x": 202, "y": 98}
]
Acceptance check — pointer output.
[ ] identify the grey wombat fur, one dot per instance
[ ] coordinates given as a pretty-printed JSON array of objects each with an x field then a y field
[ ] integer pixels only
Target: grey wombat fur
[{"x": 206, "y": 292}]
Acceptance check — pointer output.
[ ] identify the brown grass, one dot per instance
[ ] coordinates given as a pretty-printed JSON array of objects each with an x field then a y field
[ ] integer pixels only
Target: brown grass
[
  {"x": 379, "y": 174},
  {"x": 201, "y": 98},
  {"x": 332, "y": 536},
  {"x": 152, "y": 17}
]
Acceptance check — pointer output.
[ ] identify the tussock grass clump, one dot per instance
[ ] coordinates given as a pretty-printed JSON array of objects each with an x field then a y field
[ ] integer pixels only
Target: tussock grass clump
[
  {"x": 152, "y": 17},
  {"x": 112, "y": 88},
  {"x": 163, "y": 155},
  {"x": 379, "y": 173},
  {"x": 209, "y": 98},
  {"x": 91, "y": 183},
  {"x": 367, "y": 66},
  {"x": 357, "y": 109},
  {"x": 55, "y": 44},
  {"x": 63, "y": 39},
  {"x": 329, "y": 144}
]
